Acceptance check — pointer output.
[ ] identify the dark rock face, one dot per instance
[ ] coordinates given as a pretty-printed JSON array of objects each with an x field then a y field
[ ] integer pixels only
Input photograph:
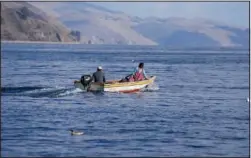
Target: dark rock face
[{"x": 24, "y": 22}]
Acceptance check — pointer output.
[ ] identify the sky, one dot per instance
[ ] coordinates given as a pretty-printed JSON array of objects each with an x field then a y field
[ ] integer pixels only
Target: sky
[{"x": 231, "y": 13}]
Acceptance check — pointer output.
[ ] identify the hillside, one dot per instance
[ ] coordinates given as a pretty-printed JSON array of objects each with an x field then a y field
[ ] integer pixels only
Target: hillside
[
  {"x": 102, "y": 26},
  {"x": 97, "y": 25},
  {"x": 23, "y": 22},
  {"x": 177, "y": 32}
]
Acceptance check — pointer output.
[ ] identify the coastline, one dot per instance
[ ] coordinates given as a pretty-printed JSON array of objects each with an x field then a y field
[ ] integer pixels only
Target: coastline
[{"x": 220, "y": 48}]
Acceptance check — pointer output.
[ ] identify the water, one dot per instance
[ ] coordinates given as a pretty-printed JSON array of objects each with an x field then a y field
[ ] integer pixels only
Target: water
[{"x": 197, "y": 106}]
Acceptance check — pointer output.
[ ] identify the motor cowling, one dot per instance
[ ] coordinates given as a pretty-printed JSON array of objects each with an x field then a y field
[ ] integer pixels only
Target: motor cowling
[{"x": 86, "y": 80}]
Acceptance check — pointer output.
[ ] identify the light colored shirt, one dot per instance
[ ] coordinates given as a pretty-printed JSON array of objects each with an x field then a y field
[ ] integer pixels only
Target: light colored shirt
[{"x": 136, "y": 69}]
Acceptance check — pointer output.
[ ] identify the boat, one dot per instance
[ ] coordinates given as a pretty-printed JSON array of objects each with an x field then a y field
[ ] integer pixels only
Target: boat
[{"x": 114, "y": 85}]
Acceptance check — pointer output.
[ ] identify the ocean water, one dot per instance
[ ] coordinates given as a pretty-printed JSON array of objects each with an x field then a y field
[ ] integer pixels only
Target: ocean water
[{"x": 196, "y": 107}]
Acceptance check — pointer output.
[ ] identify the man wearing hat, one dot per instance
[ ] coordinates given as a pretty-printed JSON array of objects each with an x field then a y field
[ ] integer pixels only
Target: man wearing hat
[{"x": 99, "y": 75}]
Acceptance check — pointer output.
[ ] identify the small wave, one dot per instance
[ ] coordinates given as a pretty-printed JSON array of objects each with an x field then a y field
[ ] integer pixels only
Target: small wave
[
  {"x": 232, "y": 87},
  {"x": 212, "y": 87},
  {"x": 54, "y": 92},
  {"x": 150, "y": 88},
  {"x": 19, "y": 89},
  {"x": 70, "y": 92},
  {"x": 39, "y": 92}
]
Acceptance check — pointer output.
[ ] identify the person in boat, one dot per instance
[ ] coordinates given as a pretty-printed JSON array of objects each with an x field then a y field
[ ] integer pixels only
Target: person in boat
[
  {"x": 99, "y": 75},
  {"x": 138, "y": 74}
]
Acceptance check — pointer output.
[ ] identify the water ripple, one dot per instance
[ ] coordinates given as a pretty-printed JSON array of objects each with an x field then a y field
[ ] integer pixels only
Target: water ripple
[{"x": 197, "y": 106}]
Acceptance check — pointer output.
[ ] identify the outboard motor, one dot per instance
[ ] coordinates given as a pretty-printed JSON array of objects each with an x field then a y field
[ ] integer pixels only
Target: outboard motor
[{"x": 86, "y": 80}]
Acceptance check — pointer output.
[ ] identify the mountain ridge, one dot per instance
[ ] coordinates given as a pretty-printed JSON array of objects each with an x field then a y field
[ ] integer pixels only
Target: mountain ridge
[
  {"x": 98, "y": 25},
  {"x": 24, "y": 22},
  {"x": 172, "y": 31}
]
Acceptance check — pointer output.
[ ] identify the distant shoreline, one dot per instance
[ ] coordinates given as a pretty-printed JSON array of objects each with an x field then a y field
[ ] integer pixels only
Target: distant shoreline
[
  {"x": 169, "y": 48},
  {"x": 40, "y": 42}
]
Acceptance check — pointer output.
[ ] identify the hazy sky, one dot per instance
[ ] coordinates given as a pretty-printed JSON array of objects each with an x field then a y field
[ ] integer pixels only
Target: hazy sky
[{"x": 233, "y": 13}]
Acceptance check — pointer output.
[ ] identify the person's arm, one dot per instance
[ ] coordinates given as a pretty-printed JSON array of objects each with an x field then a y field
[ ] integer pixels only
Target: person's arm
[
  {"x": 135, "y": 70},
  {"x": 92, "y": 79},
  {"x": 104, "y": 78},
  {"x": 144, "y": 74}
]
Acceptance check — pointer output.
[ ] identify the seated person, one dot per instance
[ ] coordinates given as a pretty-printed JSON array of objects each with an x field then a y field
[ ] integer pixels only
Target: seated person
[
  {"x": 139, "y": 73},
  {"x": 99, "y": 75}
]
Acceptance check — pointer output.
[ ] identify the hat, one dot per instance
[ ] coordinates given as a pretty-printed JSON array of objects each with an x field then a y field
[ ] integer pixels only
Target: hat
[{"x": 100, "y": 67}]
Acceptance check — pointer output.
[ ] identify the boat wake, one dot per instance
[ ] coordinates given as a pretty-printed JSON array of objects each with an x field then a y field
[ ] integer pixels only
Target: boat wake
[
  {"x": 53, "y": 92},
  {"x": 39, "y": 92},
  {"x": 150, "y": 88}
]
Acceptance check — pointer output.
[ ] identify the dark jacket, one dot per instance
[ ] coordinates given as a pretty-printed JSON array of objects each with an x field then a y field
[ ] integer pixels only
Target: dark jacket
[{"x": 98, "y": 76}]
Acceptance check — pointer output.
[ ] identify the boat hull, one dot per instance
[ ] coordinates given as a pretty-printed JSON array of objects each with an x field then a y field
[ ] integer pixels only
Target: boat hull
[{"x": 116, "y": 86}]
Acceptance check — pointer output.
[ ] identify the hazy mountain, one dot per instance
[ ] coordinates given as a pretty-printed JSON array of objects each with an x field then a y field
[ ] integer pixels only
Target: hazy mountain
[
  {"x": 24, "y": 22},
  {"x": 193, "y": 32},
  {"x": 98, "y": 24},
  {"x": 102, "y": 26}
]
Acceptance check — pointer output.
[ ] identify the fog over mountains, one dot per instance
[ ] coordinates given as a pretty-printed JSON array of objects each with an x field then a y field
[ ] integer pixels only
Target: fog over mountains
[{"x": 98, "y": 25}]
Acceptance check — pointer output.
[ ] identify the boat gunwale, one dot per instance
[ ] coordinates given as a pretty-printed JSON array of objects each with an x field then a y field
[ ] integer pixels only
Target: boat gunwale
[
  {"x": 116, "y": 83},
  {"x": 125, "y": 84}
]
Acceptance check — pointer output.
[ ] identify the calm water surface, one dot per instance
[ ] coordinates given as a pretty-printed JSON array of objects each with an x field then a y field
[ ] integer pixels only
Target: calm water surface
[{"x": 197, "y": 106}]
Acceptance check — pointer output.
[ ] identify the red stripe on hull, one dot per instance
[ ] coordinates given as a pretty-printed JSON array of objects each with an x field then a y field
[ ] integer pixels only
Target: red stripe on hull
[{"x": 130, "y": 91}]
